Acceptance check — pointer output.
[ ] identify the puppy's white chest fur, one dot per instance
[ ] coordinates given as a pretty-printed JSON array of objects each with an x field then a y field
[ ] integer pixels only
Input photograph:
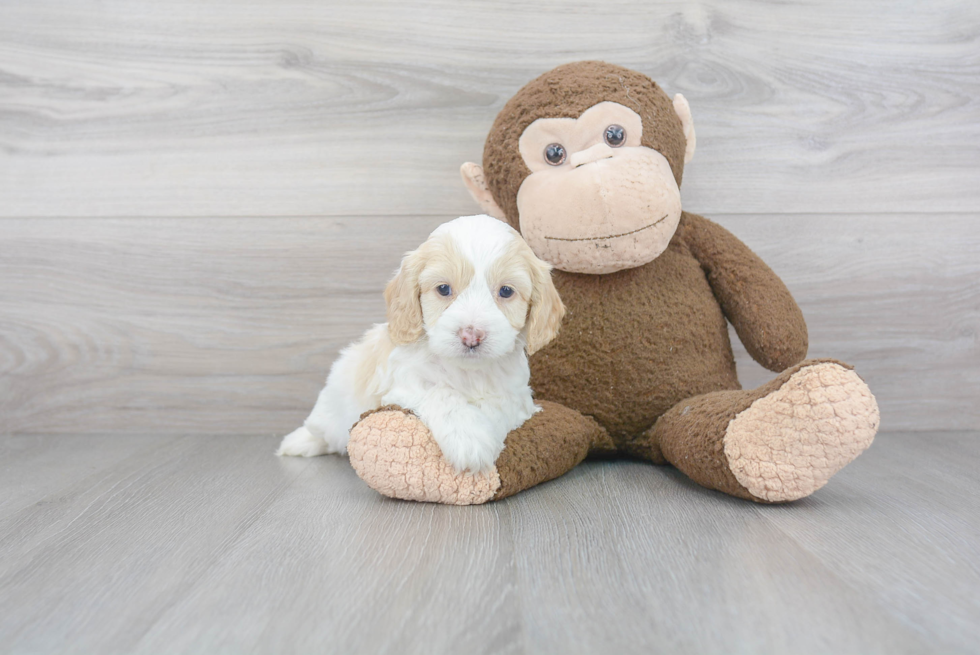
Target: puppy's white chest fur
[{"x": 470, "y": 409}]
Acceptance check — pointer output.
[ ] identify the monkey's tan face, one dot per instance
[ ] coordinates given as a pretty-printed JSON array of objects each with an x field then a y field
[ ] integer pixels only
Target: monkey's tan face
[{"x": 596, "y": 200}]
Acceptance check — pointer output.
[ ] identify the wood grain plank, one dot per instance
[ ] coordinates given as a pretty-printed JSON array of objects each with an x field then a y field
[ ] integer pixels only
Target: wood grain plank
[
  {"x": 911, "y": 497},
  {"x": 96, "y": 566},
  {"x": 641, "y": 560},
  {"x": 334, "y": 567},
  {"x": 225, "y": 325},
  {"x": 28, "y": 471},
  {"x": 116, "y": 108},
  {"x": 210, "y": 544},
  {"x": 236, "y": 307}
]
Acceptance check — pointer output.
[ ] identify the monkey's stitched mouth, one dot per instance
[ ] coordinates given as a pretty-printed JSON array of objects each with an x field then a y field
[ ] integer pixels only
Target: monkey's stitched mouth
[{"x": 612, "y": 236}]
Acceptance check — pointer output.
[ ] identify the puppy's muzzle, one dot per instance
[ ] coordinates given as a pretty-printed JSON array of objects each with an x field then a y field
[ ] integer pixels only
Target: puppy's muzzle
[{"x": 471, "y": 336}]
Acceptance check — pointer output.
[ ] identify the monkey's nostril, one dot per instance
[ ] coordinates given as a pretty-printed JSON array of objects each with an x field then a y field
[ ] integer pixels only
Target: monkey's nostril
[{"x": 591, "y": 161}]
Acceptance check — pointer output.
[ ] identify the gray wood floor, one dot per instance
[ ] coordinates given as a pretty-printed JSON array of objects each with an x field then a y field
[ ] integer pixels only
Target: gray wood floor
[{"x": 211, "y": 544}]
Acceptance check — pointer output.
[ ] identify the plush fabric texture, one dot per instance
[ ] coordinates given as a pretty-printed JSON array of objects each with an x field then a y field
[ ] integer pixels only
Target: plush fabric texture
[
  {"x": 393, "y": 451},
  {"x": 566, "y": 92},
  {"x": 636, "y": 342},
  {"x": 779, "y": 442},
  {"x": 552, "y": 442},
  {"x": 789, "y": 442},
  {"x": 607, "y": 208},
  {"x": 767, "y": 320},
  {"x": 643, "y": 366}
]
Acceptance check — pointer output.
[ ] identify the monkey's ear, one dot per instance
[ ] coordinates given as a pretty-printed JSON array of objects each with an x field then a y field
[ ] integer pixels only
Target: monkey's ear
[
  {"x": 684, "y": 113},
  {"x": 476, "y": 183}
]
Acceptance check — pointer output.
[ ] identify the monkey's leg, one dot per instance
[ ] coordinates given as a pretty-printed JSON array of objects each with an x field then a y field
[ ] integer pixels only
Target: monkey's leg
[
  {"x": 777, "y": 443},
  {"x": 392, "y": 450}
]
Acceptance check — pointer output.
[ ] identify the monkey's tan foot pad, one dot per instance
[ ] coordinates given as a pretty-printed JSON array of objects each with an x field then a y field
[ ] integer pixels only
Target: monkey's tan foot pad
[
  {"x": 394, "y": 453},
  {"x": 788, "y": 443}
]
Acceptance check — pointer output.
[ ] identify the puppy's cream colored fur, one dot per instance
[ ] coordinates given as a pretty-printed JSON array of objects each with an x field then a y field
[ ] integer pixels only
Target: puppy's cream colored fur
[{"x": 464, "y": 311}]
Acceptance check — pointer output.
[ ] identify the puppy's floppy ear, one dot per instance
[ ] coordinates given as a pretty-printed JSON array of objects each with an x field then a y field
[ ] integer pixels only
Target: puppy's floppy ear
[
  {"x": 404, "y": 307},
  {"x": 546, "y": 311}
]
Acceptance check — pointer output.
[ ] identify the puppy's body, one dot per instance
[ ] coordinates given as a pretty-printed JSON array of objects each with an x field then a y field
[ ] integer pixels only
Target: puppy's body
[
  {"x": 472, "y": 408},
  {"x": 453, "y": 350}
]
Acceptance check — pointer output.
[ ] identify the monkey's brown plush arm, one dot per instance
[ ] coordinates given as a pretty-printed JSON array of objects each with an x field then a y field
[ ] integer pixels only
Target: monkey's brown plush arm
[{"x": 754, "y": 299}]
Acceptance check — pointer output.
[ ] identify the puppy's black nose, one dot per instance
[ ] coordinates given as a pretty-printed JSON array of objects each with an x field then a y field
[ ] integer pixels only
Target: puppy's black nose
[{"x": 471, "y": 336}]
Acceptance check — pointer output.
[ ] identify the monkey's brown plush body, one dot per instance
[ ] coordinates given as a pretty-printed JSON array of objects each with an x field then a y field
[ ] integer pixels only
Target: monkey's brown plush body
[{"x": 642, "y": 365}]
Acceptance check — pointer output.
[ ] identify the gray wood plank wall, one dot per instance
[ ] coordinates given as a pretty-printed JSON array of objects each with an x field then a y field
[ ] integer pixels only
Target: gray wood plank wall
[{"x": 200, "y": 202}]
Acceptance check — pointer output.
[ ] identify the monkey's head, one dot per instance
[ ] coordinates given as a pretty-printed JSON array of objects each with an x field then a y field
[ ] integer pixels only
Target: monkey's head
[{"x": 586, "y": 161}]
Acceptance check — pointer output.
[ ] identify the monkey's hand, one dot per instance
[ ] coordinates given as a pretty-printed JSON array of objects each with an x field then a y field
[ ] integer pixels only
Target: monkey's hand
[
  {"x": 393, "y": 451},
  {"x": 753, "y": 298}
]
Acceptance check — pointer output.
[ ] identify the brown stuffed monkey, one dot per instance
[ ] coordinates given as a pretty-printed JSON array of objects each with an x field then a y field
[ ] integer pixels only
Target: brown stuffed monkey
[{"x": 586, "y": 162}]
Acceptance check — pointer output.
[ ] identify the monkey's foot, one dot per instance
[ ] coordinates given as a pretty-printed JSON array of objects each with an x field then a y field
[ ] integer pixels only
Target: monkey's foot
[
  {"x": 777, "y": 443},
  {"x": 788, "y": 443},
  {"x": 394, "y": 453}
]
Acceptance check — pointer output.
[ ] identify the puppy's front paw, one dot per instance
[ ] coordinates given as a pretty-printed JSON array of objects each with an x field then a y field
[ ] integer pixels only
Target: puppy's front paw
[
  {"x": 473, "y": 447},
  {"x": 302, "y": 443}
]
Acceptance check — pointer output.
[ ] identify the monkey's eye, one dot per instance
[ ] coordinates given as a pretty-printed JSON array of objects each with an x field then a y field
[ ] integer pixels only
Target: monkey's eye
[
  {"x": 615, "y": 135},
  {"x": 506, "y": 292},
  {"x": 444, "y": 289},
  {"x": 554, "y": 154}
]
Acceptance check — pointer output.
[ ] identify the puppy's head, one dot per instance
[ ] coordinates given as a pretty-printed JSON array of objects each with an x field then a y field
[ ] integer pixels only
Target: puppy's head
[{"x": 476, "y": 291}]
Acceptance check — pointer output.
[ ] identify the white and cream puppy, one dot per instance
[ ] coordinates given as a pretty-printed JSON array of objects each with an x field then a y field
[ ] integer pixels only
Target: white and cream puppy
[{"x": 464, "y": 311}]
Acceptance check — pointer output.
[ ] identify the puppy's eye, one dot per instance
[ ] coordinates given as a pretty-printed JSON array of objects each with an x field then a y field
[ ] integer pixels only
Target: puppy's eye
[
  {"x": 506, "y": 292},
  {"x": 555, "y": 154},
  {"x": 615, "y": 135},
  {"x": 444, "y": 289}
]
